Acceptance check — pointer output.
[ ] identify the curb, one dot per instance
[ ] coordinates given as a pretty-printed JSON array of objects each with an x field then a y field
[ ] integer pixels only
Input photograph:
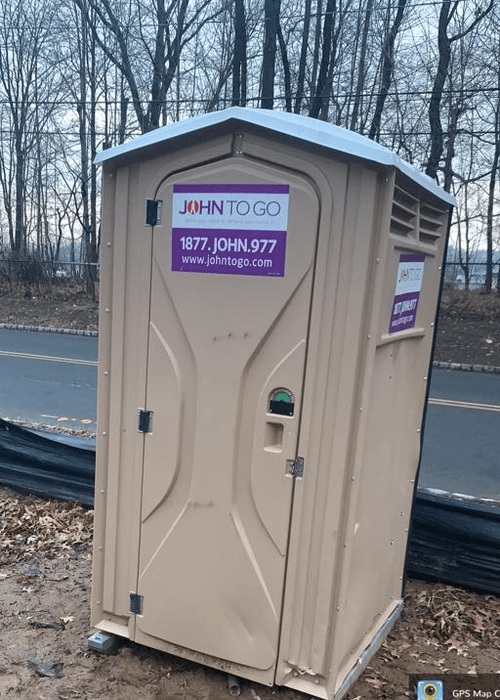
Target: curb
[
  {"x": 47, "y": 329},
  {"x": 457, "y": 497},
  {"x": 463, "y": 367}
]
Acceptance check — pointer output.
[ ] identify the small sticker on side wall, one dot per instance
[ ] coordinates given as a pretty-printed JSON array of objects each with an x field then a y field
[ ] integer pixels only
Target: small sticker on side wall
[{"x": 407, "y": 292}]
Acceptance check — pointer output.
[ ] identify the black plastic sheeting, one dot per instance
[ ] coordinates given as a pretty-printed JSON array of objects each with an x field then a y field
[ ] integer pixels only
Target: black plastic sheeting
[
  {"x": 455, "y": 540},
  {"x": 34, "y": 464},
  {"x": 452, "y": 540}
]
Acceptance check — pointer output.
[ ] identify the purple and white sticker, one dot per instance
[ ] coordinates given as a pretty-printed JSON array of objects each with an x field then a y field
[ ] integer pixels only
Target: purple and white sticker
[
  {"x": 231, "y": 229},
  {"x": 407, "y": 293}
]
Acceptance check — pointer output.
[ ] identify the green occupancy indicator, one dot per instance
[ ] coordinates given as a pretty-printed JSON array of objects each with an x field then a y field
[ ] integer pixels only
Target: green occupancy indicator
[
  {"x": 282, "y": 402},
  {"x": 282, "y": 396}
]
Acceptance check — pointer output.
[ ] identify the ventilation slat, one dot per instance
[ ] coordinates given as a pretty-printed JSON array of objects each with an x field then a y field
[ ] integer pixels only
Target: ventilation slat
[
  {"x": 412, "y": 218},
  {"x": 432, "y": 221},
  {"x": 404, "y": 213}
]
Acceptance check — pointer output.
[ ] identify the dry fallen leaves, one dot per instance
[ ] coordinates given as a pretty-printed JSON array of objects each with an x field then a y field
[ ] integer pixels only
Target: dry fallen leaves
[
  {"x": 454, "y": 617},
  {"x": 33, "y": 525},
  {"x": 377, "y": 683}
]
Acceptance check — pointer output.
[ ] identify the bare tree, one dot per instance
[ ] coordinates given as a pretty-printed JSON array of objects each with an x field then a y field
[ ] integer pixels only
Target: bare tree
[
  {"x": 239, "y": 85},
  {"x": 301, "y": 74},
  {"x": 25, "y": 33},
  {"x": 86, "y": 101},
  {"x": 148, "y": 45},
  {"x": 490, "y": 216},
  {"x": 335, "y": 18},
  {"x": 271, "y": 21},
  {"x": 493, "y": 178},
  {"x": 386, "y": 69},
  {"x": 447, "y": 14},
  {"x": 113, "y": 68},
  {"x": 321, "y": 90},
  {"x": 364, "y": 21}
]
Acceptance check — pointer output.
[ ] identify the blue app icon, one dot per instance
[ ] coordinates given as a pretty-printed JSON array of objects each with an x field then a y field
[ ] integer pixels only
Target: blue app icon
[{"x": 430, "y": 690}]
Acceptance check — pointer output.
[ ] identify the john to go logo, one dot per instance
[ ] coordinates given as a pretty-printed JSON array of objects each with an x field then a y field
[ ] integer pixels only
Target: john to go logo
[
  {"x": 192, "y": 206},
  {"x": 231, "y": 207}
]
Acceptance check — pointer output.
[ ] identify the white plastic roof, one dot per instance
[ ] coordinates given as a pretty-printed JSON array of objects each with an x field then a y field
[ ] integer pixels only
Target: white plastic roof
[{"x": 329, "y": 136}]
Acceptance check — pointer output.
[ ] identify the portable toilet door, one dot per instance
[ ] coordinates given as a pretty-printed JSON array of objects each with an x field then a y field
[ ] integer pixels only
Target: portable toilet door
[{"x": 229, "y": 354}]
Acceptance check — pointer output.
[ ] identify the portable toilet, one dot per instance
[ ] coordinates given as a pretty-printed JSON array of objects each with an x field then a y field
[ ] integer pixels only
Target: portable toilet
[{"x": 269, "y": 286}]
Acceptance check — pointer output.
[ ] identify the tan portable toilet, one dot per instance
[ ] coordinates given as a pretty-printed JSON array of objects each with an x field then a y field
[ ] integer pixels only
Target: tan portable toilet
[{"x": 268, "y": 296}]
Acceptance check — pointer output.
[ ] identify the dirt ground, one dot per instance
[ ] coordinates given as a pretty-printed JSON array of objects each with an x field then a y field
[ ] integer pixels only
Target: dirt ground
[
  {"x": 45, "y": 574},
  {"x": 468, "y": 329},
  {"x": 62, "y": 304}
]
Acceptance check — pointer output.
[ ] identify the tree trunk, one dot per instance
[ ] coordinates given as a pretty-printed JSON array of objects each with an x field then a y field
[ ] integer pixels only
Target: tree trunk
[
  {"x": 19, "y": 221},
  {"x": 239, "y": 83},
  {"x": 271, "y": 10},
  {"x": 490, "y": 209},
  {"x": 436, "y": 128},
  {"x": 488, "y": 282},
  {"x": 360, "y": 82},
  {"x": 447, "y": 11},
  {"x": 387, "y": 71},
  {"x": 320, "y": 91},
  {"x": 301, "y": 76},
  {"x": 491, "y": 193},
  {"x": 287, "y": 74}
]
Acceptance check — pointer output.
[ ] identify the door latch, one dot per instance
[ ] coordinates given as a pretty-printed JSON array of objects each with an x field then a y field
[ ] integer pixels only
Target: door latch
[
  {"x": 295, "y": 467},
  {"x": 136, "y": 604},
  {"x": 145, "y": 421},
  {"x": 153, "y": 211}
]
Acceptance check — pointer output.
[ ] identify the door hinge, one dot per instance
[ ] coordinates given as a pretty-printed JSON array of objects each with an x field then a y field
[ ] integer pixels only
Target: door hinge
[
  {"x": 136, "y": 603},
  {"x": 295, "y": 467},
  {"x": 145, "y": 421},
  {"x": 153, "y": 211}
]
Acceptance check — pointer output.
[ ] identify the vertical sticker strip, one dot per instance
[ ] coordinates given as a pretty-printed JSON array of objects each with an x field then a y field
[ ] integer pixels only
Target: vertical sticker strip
[
  {"x": 230, "y": 229},
  {"x": 407, "y": 294}
]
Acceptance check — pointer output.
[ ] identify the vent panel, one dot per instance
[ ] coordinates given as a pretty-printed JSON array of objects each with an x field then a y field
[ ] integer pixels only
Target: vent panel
[
  {"x": 432, "y": 222},
  {"x": 404, "y": 213},
  {"x": 417, "y": 220}
]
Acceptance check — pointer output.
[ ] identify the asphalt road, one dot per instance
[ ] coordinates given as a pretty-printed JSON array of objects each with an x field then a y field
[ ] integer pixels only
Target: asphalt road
[
  {"x": 461, "y": 451},
  {"x": 51, "y": 379},
  {"x": 48, "y": 378}
]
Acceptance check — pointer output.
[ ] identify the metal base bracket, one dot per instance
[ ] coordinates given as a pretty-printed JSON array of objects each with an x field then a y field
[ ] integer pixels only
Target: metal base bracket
[{"x": 103, "y": 642}]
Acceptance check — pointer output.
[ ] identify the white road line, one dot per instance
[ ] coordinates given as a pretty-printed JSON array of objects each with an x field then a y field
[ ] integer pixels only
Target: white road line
[
  {"x": 66, "y": 419},
  {"x": 465, "y": 404},
  {"x": 47, "y": 358}
]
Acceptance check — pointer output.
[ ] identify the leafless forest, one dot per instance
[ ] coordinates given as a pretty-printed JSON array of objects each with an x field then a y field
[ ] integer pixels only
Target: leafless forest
[{"x": 422, "y": 77}]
